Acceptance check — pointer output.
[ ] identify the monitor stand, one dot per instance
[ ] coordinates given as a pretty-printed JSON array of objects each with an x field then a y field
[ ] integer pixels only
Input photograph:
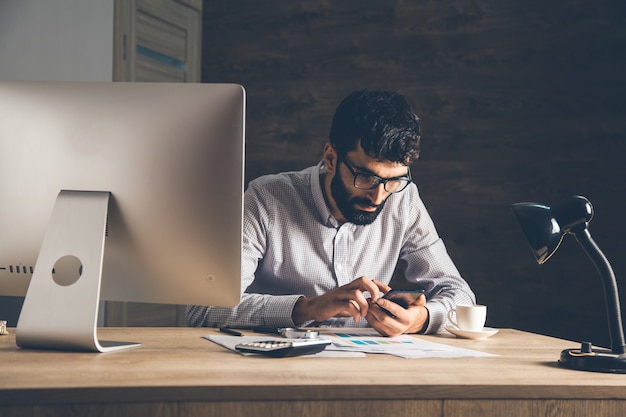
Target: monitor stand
[{"x": 60, "y": 310}]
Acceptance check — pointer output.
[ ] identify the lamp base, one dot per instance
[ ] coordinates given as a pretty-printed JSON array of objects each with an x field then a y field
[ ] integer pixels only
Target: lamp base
[{"x": 593, "y": 360}]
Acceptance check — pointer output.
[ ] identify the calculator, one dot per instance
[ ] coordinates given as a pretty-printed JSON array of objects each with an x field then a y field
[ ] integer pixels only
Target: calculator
[{"x": 280, "y": 348}]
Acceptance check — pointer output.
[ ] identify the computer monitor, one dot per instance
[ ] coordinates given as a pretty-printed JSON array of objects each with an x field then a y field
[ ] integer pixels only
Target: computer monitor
[{"x": 117, "y": 191}]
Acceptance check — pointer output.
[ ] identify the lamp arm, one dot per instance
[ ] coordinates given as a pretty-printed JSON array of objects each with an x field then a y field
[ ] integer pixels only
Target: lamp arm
[{"x": 614, "y": 316}]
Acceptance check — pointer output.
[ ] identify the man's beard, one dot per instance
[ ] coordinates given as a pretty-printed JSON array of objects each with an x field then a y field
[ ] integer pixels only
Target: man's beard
[{"x": 345, "y": 204}]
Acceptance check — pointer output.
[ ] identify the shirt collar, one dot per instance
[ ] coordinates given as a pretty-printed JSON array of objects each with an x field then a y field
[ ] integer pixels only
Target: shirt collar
[{"x": 318, "y": 196}]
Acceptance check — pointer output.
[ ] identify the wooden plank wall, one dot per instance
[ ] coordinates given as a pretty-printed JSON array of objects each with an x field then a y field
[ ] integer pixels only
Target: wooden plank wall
[{"x": 520, "y": 100}]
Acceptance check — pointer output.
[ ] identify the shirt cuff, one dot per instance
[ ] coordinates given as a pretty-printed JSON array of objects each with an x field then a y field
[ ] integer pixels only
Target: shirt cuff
[
  {"x": 437, "y": 317},
  {"x": 279, "y": 309}
]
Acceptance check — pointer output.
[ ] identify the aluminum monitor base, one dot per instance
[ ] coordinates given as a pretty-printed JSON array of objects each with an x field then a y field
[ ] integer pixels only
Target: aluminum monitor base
[{"x": 60, "y": 310}]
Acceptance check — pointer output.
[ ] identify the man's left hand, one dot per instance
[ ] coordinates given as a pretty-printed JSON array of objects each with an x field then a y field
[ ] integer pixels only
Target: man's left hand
[{"x": 412, "y": 319}]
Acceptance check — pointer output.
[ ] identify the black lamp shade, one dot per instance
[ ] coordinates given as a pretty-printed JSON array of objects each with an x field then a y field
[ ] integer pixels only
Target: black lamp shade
[{"x": 545, "y": 227}]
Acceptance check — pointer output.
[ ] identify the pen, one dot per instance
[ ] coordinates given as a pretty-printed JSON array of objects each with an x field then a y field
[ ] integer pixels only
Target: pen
[{"x": 230, "y": 331}]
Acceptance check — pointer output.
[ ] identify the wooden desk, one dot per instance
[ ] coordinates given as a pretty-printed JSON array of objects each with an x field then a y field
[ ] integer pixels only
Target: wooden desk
[{"x": 177, "y": 373}]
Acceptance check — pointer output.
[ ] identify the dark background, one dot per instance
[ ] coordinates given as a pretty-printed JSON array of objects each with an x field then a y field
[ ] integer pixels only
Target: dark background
[{"x": 520, "y": 100}]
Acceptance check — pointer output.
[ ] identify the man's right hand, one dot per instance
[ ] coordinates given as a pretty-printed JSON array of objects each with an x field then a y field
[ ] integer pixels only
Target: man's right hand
[{"x": 345, "y": 301}]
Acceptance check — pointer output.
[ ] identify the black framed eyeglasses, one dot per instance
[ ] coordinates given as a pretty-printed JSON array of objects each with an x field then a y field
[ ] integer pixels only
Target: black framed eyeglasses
[{"x": 370, "y": 181}]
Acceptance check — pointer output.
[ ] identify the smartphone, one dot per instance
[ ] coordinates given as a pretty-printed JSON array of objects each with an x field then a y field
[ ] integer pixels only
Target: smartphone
[{"x": 402, "y": 297}]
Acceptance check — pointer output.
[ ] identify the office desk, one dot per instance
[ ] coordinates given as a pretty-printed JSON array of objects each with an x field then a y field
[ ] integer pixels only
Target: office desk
[{"x": 178, "y": 373}]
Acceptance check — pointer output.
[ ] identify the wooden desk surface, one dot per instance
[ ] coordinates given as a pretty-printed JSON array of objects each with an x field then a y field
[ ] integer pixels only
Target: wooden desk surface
[{"x": 176, "y": 367}]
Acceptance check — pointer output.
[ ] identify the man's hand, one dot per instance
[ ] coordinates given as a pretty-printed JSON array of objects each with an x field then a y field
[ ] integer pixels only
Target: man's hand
[
  {"x": 412, "y": 319},
  {"x": 345, "y": 301}
]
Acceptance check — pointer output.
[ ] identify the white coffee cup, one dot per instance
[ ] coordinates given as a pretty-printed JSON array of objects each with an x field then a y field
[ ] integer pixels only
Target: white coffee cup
[{"x": 469, "y": 317}]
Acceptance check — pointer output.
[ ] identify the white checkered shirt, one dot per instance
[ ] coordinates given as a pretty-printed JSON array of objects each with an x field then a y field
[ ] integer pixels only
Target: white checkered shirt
[{"x": 294, "y": 247}]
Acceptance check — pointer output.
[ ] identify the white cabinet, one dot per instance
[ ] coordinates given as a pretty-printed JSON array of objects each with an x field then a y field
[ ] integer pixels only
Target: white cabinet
[{"x": 157, "y": 40}]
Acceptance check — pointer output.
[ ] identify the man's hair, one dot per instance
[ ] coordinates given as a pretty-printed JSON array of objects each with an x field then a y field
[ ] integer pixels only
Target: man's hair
[{"x": 384, "y": 123}]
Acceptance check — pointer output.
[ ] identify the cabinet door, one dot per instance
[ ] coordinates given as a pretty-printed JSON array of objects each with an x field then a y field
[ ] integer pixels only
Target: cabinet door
[{"x": 157, "y": 40}]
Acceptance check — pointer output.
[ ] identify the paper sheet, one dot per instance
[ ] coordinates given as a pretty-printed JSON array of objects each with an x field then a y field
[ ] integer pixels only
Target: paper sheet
[
  {"x": 358, "y": 342},
  {"x": 405, "y": 346}
]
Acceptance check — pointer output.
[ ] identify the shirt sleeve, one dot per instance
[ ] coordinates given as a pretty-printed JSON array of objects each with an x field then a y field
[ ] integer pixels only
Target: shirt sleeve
[
  {"x": 424, "y": 260},
  {"x": 254, "y": 310}
]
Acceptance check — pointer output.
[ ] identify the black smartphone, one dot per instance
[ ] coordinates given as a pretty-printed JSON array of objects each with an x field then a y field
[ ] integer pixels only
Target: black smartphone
[{"x": 402, "y": 297}]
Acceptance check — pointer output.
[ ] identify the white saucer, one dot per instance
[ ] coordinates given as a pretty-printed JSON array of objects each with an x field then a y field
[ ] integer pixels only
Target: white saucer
[{"x": 485, "y": 333}]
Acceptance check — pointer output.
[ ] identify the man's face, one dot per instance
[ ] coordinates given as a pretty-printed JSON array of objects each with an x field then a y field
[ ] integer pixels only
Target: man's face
[
  {"x": 360, "y": 206},
  {"x": 355, "y": 208}
]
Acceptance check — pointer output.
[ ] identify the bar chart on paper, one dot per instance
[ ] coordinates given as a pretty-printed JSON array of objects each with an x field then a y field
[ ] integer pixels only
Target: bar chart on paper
[
  {"x": 356, "y": 340},
  {"x": 405, "y": 346}
]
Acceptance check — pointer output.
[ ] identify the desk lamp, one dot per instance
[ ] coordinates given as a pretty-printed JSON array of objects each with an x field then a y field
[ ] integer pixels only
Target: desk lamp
[{"x": 545, "y": 227}]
